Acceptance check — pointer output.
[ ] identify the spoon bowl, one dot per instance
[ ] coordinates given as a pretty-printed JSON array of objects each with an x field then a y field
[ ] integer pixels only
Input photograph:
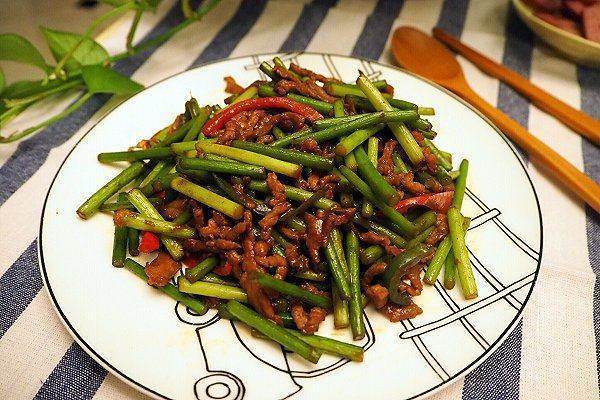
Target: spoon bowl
[{"x": 423, "y": 55}]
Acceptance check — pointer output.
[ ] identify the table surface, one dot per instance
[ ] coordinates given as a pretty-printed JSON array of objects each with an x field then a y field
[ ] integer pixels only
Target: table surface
[{"x": 554, "y": 351}]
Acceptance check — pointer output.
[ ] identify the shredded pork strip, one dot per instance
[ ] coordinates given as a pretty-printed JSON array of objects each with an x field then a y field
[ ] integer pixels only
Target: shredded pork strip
[{"x": 162, "y": 269}]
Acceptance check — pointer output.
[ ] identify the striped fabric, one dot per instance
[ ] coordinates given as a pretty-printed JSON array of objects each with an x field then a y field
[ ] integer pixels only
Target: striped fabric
[{"x": 553, "y": 353}]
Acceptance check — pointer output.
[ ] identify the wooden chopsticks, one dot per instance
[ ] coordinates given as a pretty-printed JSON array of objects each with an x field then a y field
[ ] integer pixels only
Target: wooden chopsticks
[{"x": 580, "y": 122}]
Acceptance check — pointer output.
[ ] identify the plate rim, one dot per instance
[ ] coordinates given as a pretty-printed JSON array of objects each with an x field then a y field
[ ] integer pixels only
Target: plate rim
[{"x": 150, "y": 392}]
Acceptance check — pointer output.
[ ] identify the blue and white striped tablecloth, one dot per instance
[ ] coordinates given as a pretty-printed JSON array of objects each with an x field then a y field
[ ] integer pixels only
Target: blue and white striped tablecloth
[{"x": 553, "y": 353}]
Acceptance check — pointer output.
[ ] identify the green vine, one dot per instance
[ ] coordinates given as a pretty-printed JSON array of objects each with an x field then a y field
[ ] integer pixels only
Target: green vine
[{"x": 82, "y": 64}]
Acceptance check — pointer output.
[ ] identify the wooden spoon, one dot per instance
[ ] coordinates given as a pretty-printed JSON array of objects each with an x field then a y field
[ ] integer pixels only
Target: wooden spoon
[{"x": 420, "y": 53}]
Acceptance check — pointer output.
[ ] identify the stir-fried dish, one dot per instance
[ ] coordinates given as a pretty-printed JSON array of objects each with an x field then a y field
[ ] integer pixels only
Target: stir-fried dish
[{"x": 302, "y": 196}]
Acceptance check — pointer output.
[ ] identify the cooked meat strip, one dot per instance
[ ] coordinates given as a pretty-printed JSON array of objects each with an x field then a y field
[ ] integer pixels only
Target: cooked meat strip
[
  {"x": 232, "y": 86},
  {"x": 258, "y": 298},
  {"x": 406, "y": 181},
  {"x": 290, "y": 121},
  {"x": 440, "y": 230},
  {"x": 216, "y": 245},
  {"x": 212, "y": 302},
  {"x": 415, "y": 285},
  {"x": 256, "y": 295},
  {"x": 310, "y": 74},
  {"x": 307, "y": 323},
  {"x": 307, "y": 88},
  {"x": 378, "y": 295},
  {"x": 371, "y": 272},
  {"x": 292, "y": 233},
  {"x": 335, "y": 217},
  {"x": 279, "y": 207},
  {"x": 174, "y": 209},
  {"x": 310, "y": 145},
  {"x": 213, "y": 231},
  {"x": 276, "y": 188},
  {"x": 240, "y": 189},
  {"x": 384, "y": 241},
  {"x": 219, "y": 218},
  {"x": 349, "y": 106},
  {"x": 314, "y": 237},
  {"x": 235, "y": 259},
  {"x": 198, "y": 214},
  {"x": 314, "y": 290},
  {"x": 418, "y": 137},
  {"x": 397, "y": 313},
  {"x": 296, "y": 259},
  {"x": 261, "y": 248},
  {"x": 161, "y": 269},
  {"x": 385, "y": 164},
  {"x": 430, "y": 160},
  {"x": 285, "y": 74}
]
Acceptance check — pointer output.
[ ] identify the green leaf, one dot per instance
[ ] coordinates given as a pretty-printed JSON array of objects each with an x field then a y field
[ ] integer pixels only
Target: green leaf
[
  {"x": 89, "y": 52},
  {"x": 21, "y": 89},
  {"x": 104, "y": 80},
  {"x": 17, "y": 48},
  {"x": 2, "y": 81}
]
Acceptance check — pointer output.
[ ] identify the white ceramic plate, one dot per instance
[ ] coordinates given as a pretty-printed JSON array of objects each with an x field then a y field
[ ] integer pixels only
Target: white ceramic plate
[{"x": 147, "y": 340}]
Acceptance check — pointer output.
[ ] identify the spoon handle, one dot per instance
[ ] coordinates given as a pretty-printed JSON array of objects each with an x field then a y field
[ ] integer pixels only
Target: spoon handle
[
  {"x": 579, "y": 183},
  {"x": 579, "y": 121}
]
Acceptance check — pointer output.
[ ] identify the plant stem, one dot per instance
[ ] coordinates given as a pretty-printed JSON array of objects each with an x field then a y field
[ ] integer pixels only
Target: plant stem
[
  {"x": 16, "y": 136},
  {"x": 8, "y": 115},
  {"x": 408, "y": 143},
  {"x": 140, "y": 222},
  {"x": 91, "y": 205},
  {"x": 270, "y": 163},
  {"x": 207, "y": 197},
  {"x": 271, "y": 329},
  {"x": 143, "y": 205},
  {"x": 290, "y": 289},
  {"x": 356, "y": 318},
  {"x": 200, "y": 270},
  {"x": 131, "y": 34},
  {"x": 31, "y": 99},
  {"x": 203, "y": 10},
  {"x": 209, "y": 289},
  {"x": 461, "y": 254},
  {"x": 294, "y": 193}
]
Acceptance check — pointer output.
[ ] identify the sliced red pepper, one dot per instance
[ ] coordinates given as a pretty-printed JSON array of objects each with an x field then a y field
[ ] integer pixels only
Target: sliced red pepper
[
  {"x": 218, "y": 121},
  {"x": 149, "y": 242},
  {"x": 223, "y": 270},
  {"x": 438, "y": 202}
]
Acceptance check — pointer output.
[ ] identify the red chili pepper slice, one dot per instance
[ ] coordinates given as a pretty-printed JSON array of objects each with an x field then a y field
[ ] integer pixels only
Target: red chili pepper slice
[
  {"x": 218, "y": 121},
  {"x": 149, "y": 242},
  {"x": 438, "y": 202},
  {"x": 223, "y": 270}
]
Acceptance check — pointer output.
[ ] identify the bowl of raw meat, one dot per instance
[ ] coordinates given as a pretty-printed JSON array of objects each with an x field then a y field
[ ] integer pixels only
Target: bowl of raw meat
[{"x": 572, "y": 27}]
